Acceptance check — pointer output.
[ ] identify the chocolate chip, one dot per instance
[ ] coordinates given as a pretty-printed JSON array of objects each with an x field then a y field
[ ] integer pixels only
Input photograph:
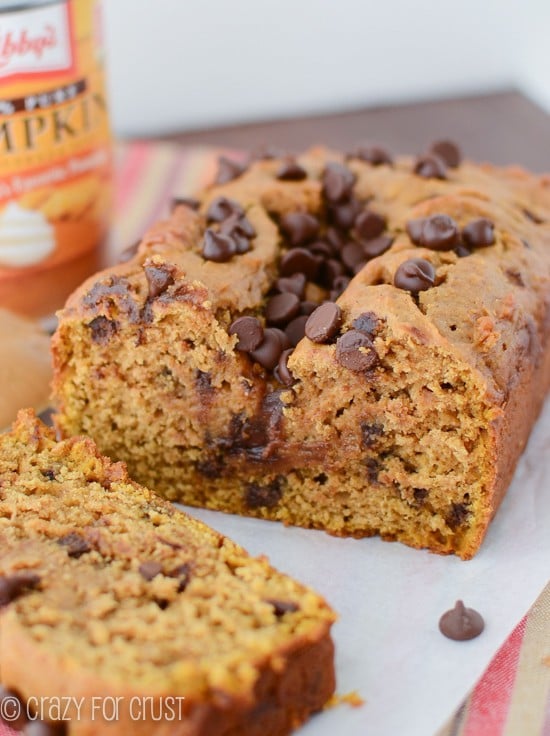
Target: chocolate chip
[
  {"x": 290, "y": 170},
  {"x": 300, "y": 260},
  {"x": 150, "y": 569},
  {"x": 415, "y": 274},
  {"x": 221, "y": 208},
  {"x": 296, "y": 329},
  {"x": 369, "y": 225},
  {"x": 308, "y": 307},
  {"x": 338, "y": 182},
  {"x": 414, "y": 229},
  {"x": 323, "y": 324},
  {"x": 12, "y": 709},
  {"x": 457, "y": 515},
  {"x": 237, "y": 224},
  {"x": 128, "y": 253},
  {"x": 374, "y": 155},
  {"x": 322, "y": 248},
  {"x": 377, "y": 246},
  {"x": 280, "y": 309},
  {"x": 228, "y": 170},
  {"x": 430, "y": 167},
  {"x": 366, "y": 323},
  {"x": 359, "y": 266},
  {"x": 282, "y": 607},
  {"x": 282, "y": 372},
  {"x": 49, "y": 474},
  {"x": 448, "y": 151},
  {"x": 268, "y": 352},
  {"x": 103, "y": 329},
  {"x": 159, "y": 278},
  {"x": 295, "y": 284},
  {"x": 339, "y": 285},
  {"x": 439, "y": 232},
  {"x": 331, "y": 270},
  {"x": 461, "y": 623},
  {"x": 479, "y": 233},
  {"x": 343, "y": 215},
  {"x": 370, "y": 433},
  {"x": 266, "y": 496},
  {"x": 283, "y": 337},
  {"x": 217, "y": 247},
  {"x": 335, "y": 238},
  {"x": 13, "y": 586},
  {"x": 352, "y": 254},
  {"x": 355, "y": 351},
  {"x": 189, "y": 202},
  {"x": 76, "y": 545},
  {"x": 299, "y": 227},
  {"x": 183, "y": 572},
  {"x": 249, "y": 331},
  {"x": 461, "y": 251}
]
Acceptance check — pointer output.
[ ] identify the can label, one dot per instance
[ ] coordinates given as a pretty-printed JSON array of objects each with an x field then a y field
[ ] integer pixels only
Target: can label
[{"x": 55, "y": 153}]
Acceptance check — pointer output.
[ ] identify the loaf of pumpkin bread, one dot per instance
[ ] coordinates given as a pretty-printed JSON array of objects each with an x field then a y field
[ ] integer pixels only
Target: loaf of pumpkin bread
[
  {"x": 353, "y": 343},
  {"x": 136, "y": 619}
]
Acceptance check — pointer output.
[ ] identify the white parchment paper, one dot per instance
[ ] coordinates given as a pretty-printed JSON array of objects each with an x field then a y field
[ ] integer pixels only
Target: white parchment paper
[{"x": 390, "y": 598}]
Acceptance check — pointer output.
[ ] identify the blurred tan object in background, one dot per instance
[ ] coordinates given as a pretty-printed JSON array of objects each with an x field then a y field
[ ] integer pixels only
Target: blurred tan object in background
[{"x": 25, "y": 370}]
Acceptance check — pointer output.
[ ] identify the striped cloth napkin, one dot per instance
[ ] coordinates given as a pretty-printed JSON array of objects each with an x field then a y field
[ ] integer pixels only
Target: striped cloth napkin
[{"x": 512, "y": 698}]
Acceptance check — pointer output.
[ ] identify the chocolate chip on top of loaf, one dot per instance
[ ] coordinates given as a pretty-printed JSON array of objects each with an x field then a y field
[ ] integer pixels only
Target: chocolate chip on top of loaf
[
  {"x": 234, "y": 361},
  {"x": 108, "y": 590}
]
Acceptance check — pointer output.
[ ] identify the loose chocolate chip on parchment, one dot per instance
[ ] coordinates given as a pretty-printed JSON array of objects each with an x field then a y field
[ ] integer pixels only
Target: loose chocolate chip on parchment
[
  {"x": 448, "y": 151},
  {"x": 415, "y": 274},
  {"x": 323, "y": 324},
  {"x": 461, "y": 623},
  {"x": 355, "y": 351},
  {"x": 479, "y": 233},
  {"x": 159, "y": 278},
  {"x": 217, "y": 247},
  {"x": 75, "y": 544},
  {"x": 221, "y": 208},
  {"x": 150, "y": 569},
  {"x": 228, "y": 170},
  {"x": 290, "y": 170},
  {"x": 299, "y": 227},
  {"x": 13, "y": 586},
  {"x": 338, "y": 182},
  {"x": 430, "y": 166},
  {"x": 249, "y": 331}
]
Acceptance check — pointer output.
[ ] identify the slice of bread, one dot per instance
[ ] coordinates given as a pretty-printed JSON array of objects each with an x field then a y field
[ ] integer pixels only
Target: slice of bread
[{"x": 109, "y": 592}]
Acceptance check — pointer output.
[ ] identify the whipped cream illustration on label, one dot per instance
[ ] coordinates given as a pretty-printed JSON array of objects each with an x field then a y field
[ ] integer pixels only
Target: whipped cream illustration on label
[{"x": 26, "y": 237}]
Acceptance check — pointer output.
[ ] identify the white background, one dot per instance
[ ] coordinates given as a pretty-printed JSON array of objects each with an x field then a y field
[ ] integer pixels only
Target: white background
[{"x": 184, "y": 64}]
